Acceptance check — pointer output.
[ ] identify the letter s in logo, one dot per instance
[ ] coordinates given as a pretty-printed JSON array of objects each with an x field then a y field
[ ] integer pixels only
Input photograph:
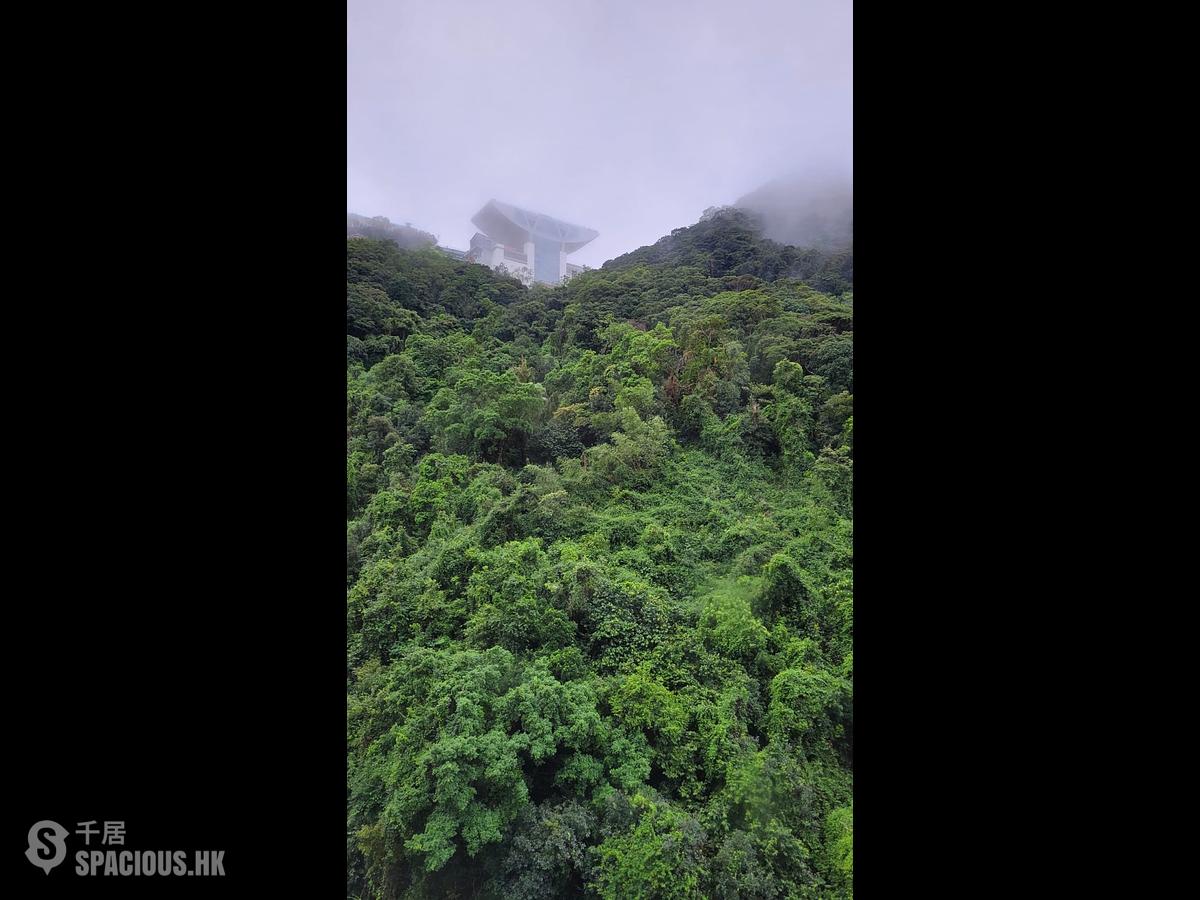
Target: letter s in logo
[{"x": 39, "y": 851}]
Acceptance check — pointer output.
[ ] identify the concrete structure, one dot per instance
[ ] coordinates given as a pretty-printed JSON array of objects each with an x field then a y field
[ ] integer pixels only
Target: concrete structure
[{"x": 528, "y": 245}]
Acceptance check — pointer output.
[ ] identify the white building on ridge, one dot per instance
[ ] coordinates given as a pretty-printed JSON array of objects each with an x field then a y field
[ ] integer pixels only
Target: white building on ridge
[{"x": 530, "y": 246}]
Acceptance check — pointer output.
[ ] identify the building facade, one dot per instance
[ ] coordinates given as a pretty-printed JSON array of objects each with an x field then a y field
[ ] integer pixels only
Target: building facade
[{"x": 530, "y": 246}]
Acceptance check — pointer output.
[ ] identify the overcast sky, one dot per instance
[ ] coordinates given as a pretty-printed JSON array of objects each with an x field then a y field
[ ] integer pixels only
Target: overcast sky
[{"x": 627, "y": 116}]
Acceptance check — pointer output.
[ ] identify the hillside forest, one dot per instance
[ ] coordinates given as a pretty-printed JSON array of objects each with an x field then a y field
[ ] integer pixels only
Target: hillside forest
[{"x": 599, "y": 561}]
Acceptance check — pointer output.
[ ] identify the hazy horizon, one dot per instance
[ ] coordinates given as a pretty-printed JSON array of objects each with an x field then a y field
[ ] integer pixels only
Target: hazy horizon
[{"x": 623, "y": 117}]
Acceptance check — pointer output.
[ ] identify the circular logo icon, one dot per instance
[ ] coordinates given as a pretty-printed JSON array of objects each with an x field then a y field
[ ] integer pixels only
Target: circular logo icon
[{"x": 47, "y": 845}]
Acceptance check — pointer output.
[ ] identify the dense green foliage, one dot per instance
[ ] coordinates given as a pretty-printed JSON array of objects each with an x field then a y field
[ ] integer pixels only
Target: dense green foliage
[{"x": 600, "y": 576}]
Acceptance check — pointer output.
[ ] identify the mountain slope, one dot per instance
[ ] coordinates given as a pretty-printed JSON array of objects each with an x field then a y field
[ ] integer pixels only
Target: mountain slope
[
  {"x": 731, "y": 241},
  {"x": 600, "y": 576},
  {"x": 805, "y": 211},
  {"x": 382, "y": 229}
]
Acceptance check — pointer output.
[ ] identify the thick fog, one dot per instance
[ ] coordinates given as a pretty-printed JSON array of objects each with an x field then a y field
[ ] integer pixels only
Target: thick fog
[{"x": 626, "y": 116}]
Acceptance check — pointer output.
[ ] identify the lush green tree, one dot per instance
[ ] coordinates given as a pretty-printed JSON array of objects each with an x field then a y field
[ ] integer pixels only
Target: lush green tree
[
  {"x": 839, "y": 837},
  {"x": 662, "y": 857},
  {"x": 486, "y": 414}
]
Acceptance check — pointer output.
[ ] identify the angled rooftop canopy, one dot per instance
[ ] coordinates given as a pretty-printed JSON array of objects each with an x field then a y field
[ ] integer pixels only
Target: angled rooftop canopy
[{"x": 514, "y": 226}]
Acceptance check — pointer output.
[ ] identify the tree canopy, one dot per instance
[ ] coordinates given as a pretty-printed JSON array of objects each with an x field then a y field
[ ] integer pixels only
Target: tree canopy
[{"x": 600, "y": 574}]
